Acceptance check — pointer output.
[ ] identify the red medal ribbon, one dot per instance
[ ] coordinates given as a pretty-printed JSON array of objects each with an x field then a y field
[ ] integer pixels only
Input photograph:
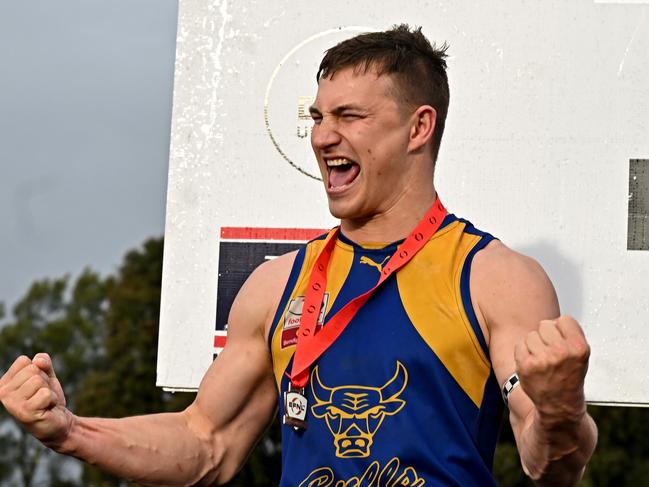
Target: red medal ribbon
[{"x": 311, "y": 345}]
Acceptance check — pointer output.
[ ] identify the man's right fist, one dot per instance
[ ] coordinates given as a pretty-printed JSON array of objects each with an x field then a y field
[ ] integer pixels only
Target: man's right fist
[{"x": 32, "y": 394}]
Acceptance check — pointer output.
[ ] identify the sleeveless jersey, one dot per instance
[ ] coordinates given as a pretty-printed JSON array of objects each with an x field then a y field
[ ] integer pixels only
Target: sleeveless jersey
[{"x": 406, "y": 395}]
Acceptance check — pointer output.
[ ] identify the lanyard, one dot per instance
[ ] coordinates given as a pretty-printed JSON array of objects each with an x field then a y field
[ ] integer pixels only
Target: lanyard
[{"x": 311, "y": 345}]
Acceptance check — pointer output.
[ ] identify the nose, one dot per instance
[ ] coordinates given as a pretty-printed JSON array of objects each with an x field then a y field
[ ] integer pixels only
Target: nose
[{"x": 325, "y": 134}]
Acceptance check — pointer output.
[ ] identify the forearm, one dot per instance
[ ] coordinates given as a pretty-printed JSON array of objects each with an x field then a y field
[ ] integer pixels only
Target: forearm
[
  {"x": 160, "y": 449},
  {"x": 555, "y": 451}
]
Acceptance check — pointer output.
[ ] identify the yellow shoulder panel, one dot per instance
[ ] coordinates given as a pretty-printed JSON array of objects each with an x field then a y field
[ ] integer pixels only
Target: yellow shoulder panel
[
  {"x": 429, "y": 287},
  {"x": 339, "y": 265}
]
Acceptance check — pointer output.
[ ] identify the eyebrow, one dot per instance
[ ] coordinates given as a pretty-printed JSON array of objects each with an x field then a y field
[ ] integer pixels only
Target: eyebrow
[{"x": 313, "y": 110}]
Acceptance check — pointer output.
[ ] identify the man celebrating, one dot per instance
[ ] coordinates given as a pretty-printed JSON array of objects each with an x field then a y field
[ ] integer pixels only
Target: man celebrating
[{"x": 413, "y": 325}]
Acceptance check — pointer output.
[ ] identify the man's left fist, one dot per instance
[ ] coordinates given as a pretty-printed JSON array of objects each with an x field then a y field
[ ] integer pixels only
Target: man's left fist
[{"x": 551, "y": 364}]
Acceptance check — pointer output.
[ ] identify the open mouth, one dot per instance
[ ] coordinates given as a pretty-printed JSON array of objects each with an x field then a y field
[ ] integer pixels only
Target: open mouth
[{"x": 341, "y": 173}]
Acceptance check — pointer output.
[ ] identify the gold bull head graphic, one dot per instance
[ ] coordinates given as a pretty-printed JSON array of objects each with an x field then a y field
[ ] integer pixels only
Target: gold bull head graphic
[{"x": 354, "y": 413}]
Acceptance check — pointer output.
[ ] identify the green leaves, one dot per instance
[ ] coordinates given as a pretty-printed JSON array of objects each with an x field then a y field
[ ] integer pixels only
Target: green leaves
[
  {"x": 102, "y": 335},
  {"x": 53, "y": 318},
  {"x": 621, "y": 458}
]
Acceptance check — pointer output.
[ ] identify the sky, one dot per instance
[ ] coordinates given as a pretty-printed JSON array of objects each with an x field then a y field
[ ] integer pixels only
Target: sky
[{"x": 85, "y": 115}]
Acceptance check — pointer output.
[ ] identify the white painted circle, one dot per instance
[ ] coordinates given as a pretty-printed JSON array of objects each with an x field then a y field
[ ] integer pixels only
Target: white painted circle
[{"x": 291, "y": 90}]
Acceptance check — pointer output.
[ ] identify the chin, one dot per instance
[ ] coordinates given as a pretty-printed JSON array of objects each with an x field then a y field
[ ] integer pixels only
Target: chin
[
  {"x": 344, "y": 211},
  {"x": 335, "y": 212},
  {"x": 339, "y": 210}
]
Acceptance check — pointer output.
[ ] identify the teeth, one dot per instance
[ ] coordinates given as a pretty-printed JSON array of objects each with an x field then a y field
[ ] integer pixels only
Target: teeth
[{"x": 338, "y": 162}]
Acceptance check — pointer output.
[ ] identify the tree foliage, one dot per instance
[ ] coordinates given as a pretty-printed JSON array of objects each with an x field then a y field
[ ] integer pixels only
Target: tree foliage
[
  {"x": 64, "y": 322},
  {"x": 102, "y": 335},
  {"x": 621, "y": 458}
]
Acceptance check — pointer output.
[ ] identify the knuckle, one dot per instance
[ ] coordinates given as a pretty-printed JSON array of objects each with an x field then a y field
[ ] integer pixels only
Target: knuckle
[
  {"x": 33, "y": 369},
  {"x": 542, "y": 364},
  {"x": 570, "y": 325},
  {"x": 559, "y": 352},
  {"x": 530, "y": 337},
  {"x": 582, "y": 350},
  {"x": 38, "y": 380},
  {"x": 517, "y": 356},
  {"x": 568, "y": 319},
  {"x": 530, "y": 365},
  {"x": 23, "y": 414},
  {"x": 23, "y": 360},
  {"x": 537, "y": 363},
  {"x": 519, "y": 348},
  {"x": 42, "y": 396},
  {"x": 546, "y": 325}
]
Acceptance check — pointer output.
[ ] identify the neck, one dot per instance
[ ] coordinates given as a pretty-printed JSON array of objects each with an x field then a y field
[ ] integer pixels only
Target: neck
[{"x": 394, "y": 223}]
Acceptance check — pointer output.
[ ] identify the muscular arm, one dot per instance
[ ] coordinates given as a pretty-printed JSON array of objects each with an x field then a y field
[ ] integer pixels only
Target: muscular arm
[
  {"x": 207, "y": 443},
  {"x": 519, "y": 313}
]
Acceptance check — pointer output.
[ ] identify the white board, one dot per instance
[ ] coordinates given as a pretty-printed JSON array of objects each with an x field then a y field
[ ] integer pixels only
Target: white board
[{"x": 549, "y": 103}]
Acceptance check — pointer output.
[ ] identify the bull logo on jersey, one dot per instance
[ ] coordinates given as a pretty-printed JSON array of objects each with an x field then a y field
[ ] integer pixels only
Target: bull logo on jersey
[{"x": 354, "y": 413}]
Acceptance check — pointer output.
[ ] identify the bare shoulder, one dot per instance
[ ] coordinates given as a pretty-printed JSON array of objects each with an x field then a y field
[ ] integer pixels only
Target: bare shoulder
[
  {"x": 241, "y": 381},
  {"x": 498, "y": 264},
  {"x": 259, "y": 296},
  {"x": 506, "y": 284},
  {"x": 246, "y": 355}
]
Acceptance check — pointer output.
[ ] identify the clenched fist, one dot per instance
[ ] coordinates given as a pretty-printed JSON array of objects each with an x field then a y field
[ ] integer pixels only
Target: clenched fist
[
  {"x": 32, "y": 394},
  {"x": 551, "y": 364}
]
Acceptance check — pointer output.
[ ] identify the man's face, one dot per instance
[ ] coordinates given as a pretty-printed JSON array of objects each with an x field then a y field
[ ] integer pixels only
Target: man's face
[{"x": 360, "y": 139}]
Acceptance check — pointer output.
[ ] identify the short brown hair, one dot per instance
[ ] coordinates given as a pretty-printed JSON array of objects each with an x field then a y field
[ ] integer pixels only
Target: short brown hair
[{"x": 419, "y": 68}]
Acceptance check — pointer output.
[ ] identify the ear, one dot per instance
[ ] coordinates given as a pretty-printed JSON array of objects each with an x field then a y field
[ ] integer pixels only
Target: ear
[
  {"x": 393, "y": 406},
  {"x": 422, "y": 128}
]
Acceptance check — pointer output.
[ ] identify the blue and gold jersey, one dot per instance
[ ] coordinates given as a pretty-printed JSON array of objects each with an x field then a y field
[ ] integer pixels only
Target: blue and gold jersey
[{"x": 406, "y": 396}]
